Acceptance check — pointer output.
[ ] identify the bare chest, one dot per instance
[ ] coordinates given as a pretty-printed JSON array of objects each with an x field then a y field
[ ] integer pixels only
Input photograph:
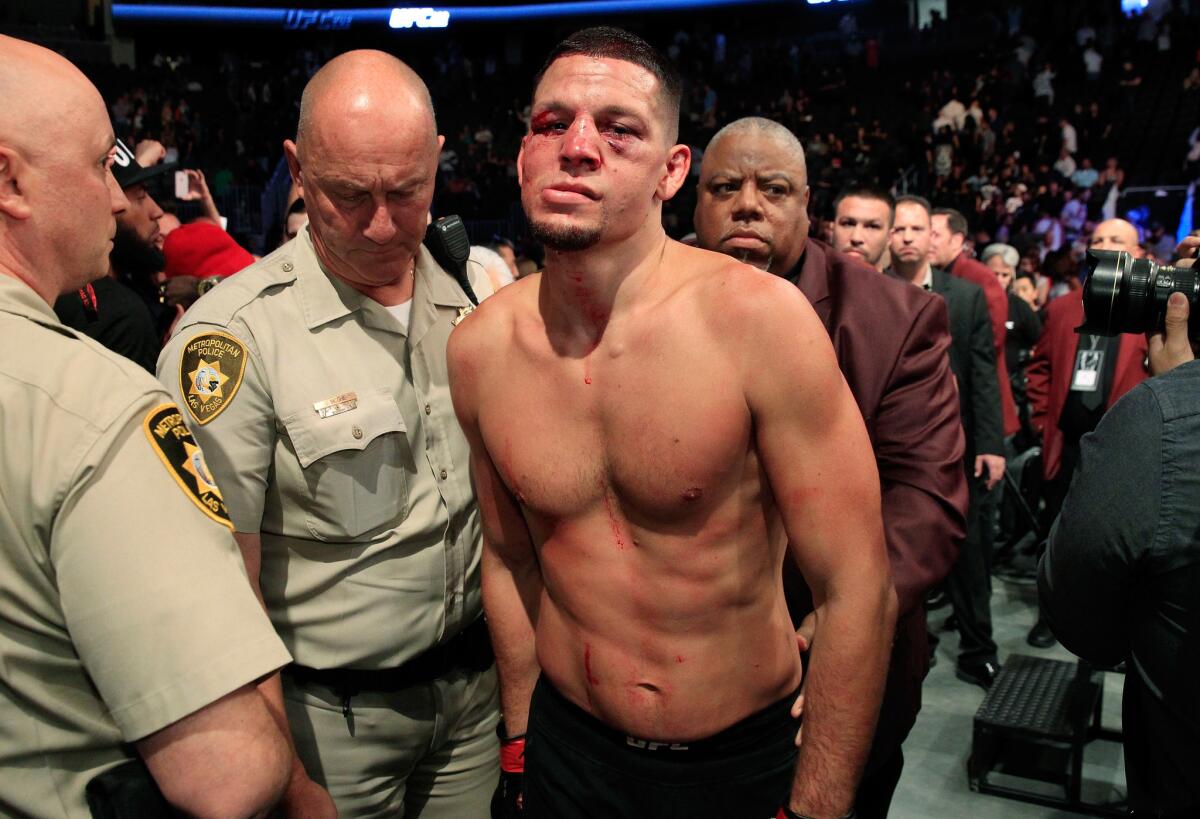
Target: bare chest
[{"x": 662, "y": 429}]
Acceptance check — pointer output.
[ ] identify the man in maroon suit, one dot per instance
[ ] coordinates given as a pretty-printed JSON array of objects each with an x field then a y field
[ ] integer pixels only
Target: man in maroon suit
[
  {"x": 891, "y": 341},
  {"x": 1054, "y": 360},
  {"x": 1073, "y": 378}
]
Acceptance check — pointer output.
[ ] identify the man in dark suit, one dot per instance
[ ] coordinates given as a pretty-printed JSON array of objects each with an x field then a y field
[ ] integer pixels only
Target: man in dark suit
[
  {"x": 947, "y": 238},
  {"x": 973, "y": 360},
  {"x": 891, "y": 342}
]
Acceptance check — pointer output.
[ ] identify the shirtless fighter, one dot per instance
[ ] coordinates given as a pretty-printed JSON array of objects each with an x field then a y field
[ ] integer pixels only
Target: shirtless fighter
[{"x": 641, "y": 471}]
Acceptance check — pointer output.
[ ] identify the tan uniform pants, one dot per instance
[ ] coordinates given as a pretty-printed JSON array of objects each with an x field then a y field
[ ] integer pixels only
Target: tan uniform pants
[{"x": 428, "y": 751}]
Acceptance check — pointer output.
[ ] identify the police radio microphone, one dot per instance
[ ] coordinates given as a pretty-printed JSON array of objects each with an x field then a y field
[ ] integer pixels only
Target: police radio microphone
[{"x": 450, "y": 245}]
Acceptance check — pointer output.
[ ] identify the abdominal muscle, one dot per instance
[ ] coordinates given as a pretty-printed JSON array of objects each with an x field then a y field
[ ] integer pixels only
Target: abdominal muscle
[{"x": 673, "y": 638}]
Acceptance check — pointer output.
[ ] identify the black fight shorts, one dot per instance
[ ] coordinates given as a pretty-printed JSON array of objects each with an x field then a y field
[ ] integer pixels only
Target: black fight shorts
[{"x": 576, "y": 767}]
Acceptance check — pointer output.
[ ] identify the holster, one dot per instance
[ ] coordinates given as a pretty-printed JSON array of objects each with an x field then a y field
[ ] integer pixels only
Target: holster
[{"x": 127, "y": 791}]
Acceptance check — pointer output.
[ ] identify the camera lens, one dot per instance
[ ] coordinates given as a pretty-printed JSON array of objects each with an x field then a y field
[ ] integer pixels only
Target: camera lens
[{"x": 1128, "y": 295}]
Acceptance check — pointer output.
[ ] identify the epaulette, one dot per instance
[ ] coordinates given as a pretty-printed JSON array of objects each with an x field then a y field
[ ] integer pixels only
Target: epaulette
[{"x": 219, "y": 305}]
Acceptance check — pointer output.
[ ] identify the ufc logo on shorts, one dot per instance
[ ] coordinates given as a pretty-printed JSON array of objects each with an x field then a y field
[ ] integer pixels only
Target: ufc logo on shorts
[{"x": 646, "y": 745}]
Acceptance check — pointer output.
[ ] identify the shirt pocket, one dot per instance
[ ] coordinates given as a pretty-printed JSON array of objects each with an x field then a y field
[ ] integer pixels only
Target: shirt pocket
[{"x": 355, "y": 469}]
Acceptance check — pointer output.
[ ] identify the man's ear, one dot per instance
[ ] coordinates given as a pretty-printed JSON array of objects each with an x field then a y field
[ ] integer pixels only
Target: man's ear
[
  {"x": 14, "y": 202},
  {"x": 521, "y": 162},
  {"x": 291, "y": 153},
  {"x": 679, "y": 162}
]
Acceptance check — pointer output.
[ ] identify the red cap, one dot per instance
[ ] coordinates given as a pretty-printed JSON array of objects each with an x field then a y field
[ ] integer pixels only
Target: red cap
[{"x": 203, "y": 250}]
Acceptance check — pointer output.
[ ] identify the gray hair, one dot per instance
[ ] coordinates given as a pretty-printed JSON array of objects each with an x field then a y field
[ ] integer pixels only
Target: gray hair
[
  {"x": 1007, "y": 252},
  {"x": 767, "y": 127}
]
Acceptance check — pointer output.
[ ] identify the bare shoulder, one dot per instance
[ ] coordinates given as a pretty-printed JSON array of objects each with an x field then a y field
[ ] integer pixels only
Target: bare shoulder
[
  {"x": 486, "y": 333},
  {"x": 741, "y": 301}
]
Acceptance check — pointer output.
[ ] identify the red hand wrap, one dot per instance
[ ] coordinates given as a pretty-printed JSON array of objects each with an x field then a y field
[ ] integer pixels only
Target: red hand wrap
[{"x": 512, "y": 755}]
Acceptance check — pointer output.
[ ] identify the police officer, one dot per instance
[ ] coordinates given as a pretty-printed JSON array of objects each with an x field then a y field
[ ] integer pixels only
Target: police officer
[
  {"x": 316, "y": 379},
  {"x": 126, "y": 628}
]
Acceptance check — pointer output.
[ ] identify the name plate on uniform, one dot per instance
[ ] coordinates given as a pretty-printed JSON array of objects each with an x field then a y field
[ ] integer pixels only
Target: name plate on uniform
[{"x": 337, "y": 405}]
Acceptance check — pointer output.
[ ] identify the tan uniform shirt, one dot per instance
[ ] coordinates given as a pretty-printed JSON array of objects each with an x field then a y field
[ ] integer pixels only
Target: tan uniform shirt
[
  {"x": 330, "y": 429},
  {"x": 124, "y": 604}
]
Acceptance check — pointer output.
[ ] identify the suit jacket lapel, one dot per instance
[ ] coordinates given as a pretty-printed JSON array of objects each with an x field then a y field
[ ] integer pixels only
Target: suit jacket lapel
[
  {"x": 939, "y": 281},
  {"x": 814, "y": 281}
]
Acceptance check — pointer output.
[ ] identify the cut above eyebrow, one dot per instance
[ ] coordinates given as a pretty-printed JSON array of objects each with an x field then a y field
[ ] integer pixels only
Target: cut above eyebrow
[{"x": 558, "y": 107}]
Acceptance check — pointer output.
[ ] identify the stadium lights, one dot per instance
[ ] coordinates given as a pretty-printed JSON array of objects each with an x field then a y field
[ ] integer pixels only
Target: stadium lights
[
  {"x": 421, "y": 18},
  {"x": 399, "y": 18}
]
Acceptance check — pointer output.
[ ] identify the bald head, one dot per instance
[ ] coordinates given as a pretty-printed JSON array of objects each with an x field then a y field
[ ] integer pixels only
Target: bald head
[
  {"x": 1116, "y": 234},
  {"x": 762, "y": 128},
  {"x": 360, "y": 86},
  {"x": 40, "y": 89},
  {"x": 365, "y": 161},
  {"x": 58, "y": 199}
]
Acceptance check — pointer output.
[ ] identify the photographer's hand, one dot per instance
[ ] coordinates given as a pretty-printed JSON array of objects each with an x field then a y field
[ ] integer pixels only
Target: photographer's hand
[
  {"x": 1171, "y": 348},
  {"x": 1185, "y": 252}
]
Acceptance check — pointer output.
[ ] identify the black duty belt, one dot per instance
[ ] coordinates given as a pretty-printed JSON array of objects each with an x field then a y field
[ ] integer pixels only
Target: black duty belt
[{"x": 469, "y": 650}]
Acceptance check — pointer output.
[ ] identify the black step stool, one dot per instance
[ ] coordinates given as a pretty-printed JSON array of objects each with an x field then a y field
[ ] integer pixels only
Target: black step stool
[{"x": 1033, "y": 724}]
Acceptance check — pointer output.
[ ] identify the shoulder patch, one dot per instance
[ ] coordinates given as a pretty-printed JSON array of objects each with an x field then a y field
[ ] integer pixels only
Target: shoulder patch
[
  {"x": 210, "y": 371},
  {"x": 174, "y": 445}
]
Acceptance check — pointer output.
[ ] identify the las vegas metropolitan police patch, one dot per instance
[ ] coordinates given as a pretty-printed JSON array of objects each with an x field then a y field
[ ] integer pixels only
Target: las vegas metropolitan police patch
[
  {"x": 174, "y": 445},
  {"x": 210, "y": 372}
]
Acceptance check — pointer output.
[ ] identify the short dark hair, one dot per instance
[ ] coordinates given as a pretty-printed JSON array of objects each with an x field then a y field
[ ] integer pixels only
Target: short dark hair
[
  {"x": 913, "y": 199},
  {"x": 954, "y": 220},
  {"x": 1024, "y": 274},
  {"x": 867, "y": 192},
  {"x": 609, "y": 42},
  {"x": 297, "y": 207}
]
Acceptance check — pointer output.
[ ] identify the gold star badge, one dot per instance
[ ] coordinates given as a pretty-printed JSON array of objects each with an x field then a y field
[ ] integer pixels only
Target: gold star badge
[
  {"x": 181, "y": 455},
  {"x": 207, "y": 380},
  {"x": 195, "y": 465}
]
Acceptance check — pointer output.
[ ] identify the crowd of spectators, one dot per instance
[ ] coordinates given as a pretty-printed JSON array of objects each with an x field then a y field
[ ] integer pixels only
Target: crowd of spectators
[
  {"x": 1018, "y": 134},
  {"x": 1011, "y": 121},
  {"x": 1018, "y": 128}
]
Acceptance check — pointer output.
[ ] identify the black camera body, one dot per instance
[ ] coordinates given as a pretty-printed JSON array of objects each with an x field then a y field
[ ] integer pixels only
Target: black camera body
[{"x": 1128, "y": 295}]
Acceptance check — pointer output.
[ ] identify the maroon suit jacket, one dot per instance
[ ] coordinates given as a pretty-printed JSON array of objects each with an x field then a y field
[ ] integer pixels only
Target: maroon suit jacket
[
  {"x": 997, "y": 304},
  {"x": 892, "y": 342},
  {"x": 1048, "y": 373}
]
